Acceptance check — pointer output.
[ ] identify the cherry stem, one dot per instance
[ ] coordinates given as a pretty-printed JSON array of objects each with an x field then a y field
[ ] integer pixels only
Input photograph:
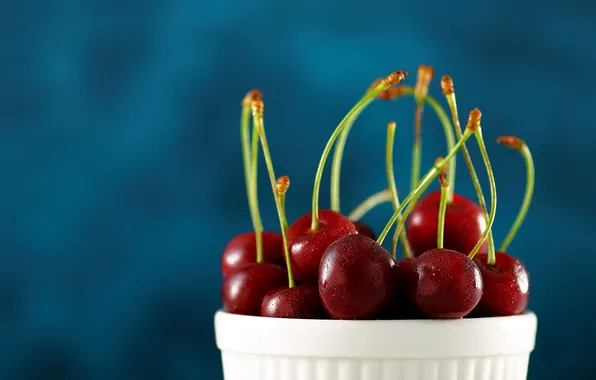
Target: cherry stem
[
  {"x": 516, "y": 143},
  {"x": 391, "y": 80},
  {"x": 442, "y": 210},
  {"x": 448, "y": 91},
  {"x": 281, "y": 187},
  {"x": 370, "y": 203},
  {"x": 336, "y": 164},
  {"x": 447, "y": 129},
  {"x": 422, "y": 186},
  {"x": 417, "y": 146},
  {"x": 394, "y": 195},
  {"x": 491, "y": 259},
  {"x": 250, "y": 160},
  {"x": 259, "y": 125}
]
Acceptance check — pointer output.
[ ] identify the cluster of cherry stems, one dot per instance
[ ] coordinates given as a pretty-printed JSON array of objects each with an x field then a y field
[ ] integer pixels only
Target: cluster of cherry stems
[{"x": 328, "y": 265}]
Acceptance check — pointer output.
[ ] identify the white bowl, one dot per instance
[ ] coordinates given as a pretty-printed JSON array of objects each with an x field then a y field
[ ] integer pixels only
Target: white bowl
[{"x": 258, "y": 348}]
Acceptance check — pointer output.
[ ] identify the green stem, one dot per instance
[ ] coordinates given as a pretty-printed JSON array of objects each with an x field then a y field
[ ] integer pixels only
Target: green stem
[
  {"x": 260, "y": 126},
  {"x": 449, "y": 137},
  {"x": 525, "y": 151},
  {"x": 417, "y": 146},
  {"x": 284, "y": 222},
  {"x": 491, "y": 260},
  {"x": 394, "y": 195},
  {"x": 442, "y": 211},
  {"x": 338, "y": 154},
  {"x": 258, "y": 224},
  {"x": 422, "y": 186},
  {"x": 448, "y": 131},
  {"x": 359, "y": 107},
  {"x": 250, "y": 174},
  {"x": 468, "y": 159},
  {"x": 370, "y": 203}
]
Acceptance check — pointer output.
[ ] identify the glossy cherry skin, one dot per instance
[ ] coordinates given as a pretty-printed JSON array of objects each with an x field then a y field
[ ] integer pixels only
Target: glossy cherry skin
[
  {"x": 242, "y": 250},
  {"x": 357, "y": 278},
  {"x": 307, "y": 247},
  {"x": 300, "y": 302},
  {"x": 506, "y": 286},
  {"x": 464, "y": 224},
  {"x": 447, "y": 284},
  {"x": 365, "y": 230},
  {"x": 243, "y": 289}
]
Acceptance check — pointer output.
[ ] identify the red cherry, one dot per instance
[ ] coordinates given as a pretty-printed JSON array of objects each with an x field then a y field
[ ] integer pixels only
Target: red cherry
[
  {"x": 365, "y": 230},
  {"x": 307, "y": 246},
  {"x": 404, "y": 306},
  {"x": 357, "y": 278},
  {"x": 448, "y": 286},
  {"x": 243, "y": 289},
  {"x": 506, "y": 286},
  {"x": 242, "y": 250},
  {"x": 464, "y": 224},
  {"x": 301, "y": 301}
]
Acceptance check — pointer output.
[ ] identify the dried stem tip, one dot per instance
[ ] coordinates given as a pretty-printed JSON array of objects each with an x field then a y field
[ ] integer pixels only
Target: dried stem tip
[
  {"x": 445, "y": 168},
  {"x": 250, "y": 96},
  {"x": 282, "y": 185},
  {"x": 425, "y": 74},
  {"x": 443, "y": 180},
  {"x": 257, "y": 108},
  {"x": 395, "y": 78},
  {"x": 392, "y": 93},
  {"x": 511, "y": 142},
  {"x": 447, "y": 85},
  {"x": 474, "y": 120}
]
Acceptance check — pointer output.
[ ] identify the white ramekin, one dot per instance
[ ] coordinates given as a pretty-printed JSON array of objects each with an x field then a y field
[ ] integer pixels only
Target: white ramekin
[{"x": 257, "y": 348}]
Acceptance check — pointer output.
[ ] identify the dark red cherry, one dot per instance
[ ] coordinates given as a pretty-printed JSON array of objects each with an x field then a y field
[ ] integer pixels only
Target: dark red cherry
[
  {"x": 506, "y": 286},
  {"x": 464, "y": 224},
  {"x": 448, "y": 286},
  {"x": 242, "y": 250},
  {"x": 243, "y": 289},
  {"x": 301, "y": 302},
  {"x": 365, "y": 230},
  {"x": 307, "y": 247},
  {"x": 357, "y": 278},
  {"x": 404, "y": 306}
]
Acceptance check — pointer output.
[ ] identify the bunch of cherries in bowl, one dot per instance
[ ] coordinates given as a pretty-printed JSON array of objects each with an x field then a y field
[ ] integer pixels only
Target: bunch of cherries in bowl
[{"x": 330, "y": 265}]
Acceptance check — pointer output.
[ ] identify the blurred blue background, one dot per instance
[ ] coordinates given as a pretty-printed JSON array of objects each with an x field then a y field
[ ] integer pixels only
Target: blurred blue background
[{"x": 121, "y": 176}]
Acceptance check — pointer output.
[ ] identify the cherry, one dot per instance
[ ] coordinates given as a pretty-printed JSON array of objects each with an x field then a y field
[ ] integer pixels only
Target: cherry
[
  {"x": 242, "y": 250},
  {"x": 506, "y": 282},
  {"x": 365, "y": 230},
  {"x": 301, "y": 301},
  {"x": 448, "y": 284},
  {"x": 243, "y": 289},
  {"x": 307, "y": 246},
  {"x": 506, "y": 286},
  {"x": 404, "y": 306},
  {"x": 357, "y": 278},
  {"x": 309, "y": 240},
  {"x": 464, "y": 224}
]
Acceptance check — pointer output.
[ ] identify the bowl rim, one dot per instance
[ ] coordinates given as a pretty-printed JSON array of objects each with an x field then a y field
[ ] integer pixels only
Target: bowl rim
[{"x": 376, "y": 338}]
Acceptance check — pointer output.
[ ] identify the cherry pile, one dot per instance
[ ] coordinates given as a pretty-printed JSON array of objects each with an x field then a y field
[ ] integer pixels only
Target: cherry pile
[{"x": 330, "y": 265}]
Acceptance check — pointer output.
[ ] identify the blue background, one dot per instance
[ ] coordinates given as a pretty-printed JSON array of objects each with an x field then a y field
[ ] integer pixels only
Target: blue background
[{"x": 121, "y": 175}]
